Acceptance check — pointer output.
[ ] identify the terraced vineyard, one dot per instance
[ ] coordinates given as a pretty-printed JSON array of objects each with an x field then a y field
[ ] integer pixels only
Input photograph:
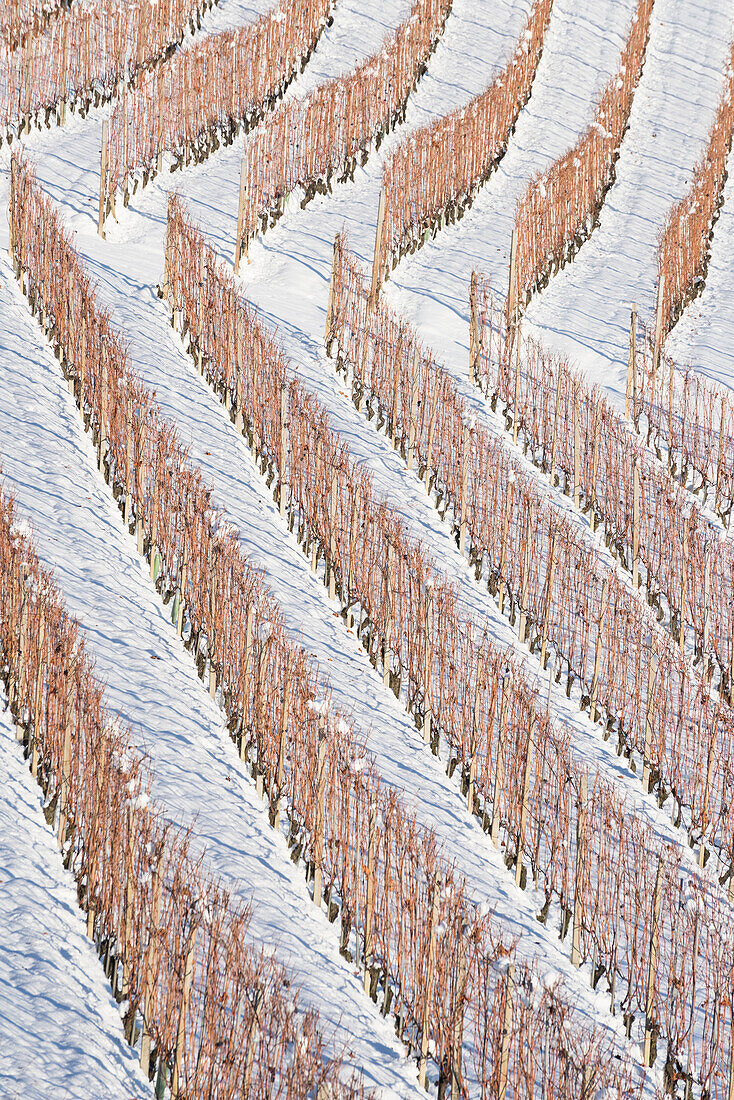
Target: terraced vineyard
[{"x": 366, "y": 586}]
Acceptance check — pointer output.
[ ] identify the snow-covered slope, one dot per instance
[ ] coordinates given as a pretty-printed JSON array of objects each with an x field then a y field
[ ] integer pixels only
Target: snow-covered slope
[
  {"x": 62, "y": 1032},
  {"x": 49, "y": 465}
]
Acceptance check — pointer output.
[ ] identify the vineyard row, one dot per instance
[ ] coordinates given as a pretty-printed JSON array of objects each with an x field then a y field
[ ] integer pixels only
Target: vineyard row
[
  {"x": 205, "y": 95},
  {"x": 571, "y": 830},
  {"x": 561, "y": 207},
  {"x": 203, "y": 1004},
  {"x": 433, "y": 175},
  {"x": 365, "y": 854},
  {"x": 84, "y": 56},
  {"x": 538, "y": 564},
  {"x": 685, "y": 241},
  {"x": 309, "y": 141},
  {"x": 575, "y": 435}
]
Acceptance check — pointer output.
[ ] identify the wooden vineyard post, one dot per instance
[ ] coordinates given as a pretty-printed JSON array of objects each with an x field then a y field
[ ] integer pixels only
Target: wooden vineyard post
[
  {"x": 65, "y": 70},
  {"x": 474, "y": 735},
  {"x": 636, "y": 523},
  {"x": 332, "y": 294},
  {"x": 576, "y": 446},
  {"x": 430, "y": 970},
  {"x": 511, "y": 287},
  {"x": 66, "y": 753},
  {"x": 161, "y": 117},
  {"x": 152, "y": 960},
  {"x": 630, "y": 396},
  {"x": 68, "y": 365},
  {"x": 516, "y": 397},
  {"x": 128, "y": 913},
  {"x": 318, "y": 874},
  {"x": 103, "y": 169},
  {"x": 588, "y": 1076},
  {"x": 213, "y": 611},
  {"x": 182, "y": 576},
  {"x": 239, "y": 419},
  {"x": 506, "y": 1033},
  {"x": 578, "y": 906},
  {"x": 283, "y": 487},
  {"x": 370, "y": 899},
  {"x": 23, "y": 653},
  {"x": 464, "y": 489},
  {"x": 685, "y": 516},
  {"x": 597, "y": 650},
  {"x": 525, "y": 577},
  {"x": 524, "y": 804},
  {"x": 199, "y": 347},
  {"x": 90, "y": 886},
  {"x": 494, "y": 831},
  {"x": 720, "y": 460},
  {"x": 594, "y": 469},
  {"x": 548, "y": 600},
  {"x": 251, "y": 1037},
  {"x": 351, "y": 583},
  {"x": 659, "y": 324},
  {"x": 556, "y": 414},
  {"x": 730, "y": 1092},
  {"x": 412, "y": 425},
  {"x": 319, "y": 474},
  {"x": 387, "y": 658},
  {"x": 27, "y": 97},
  {"x": 709, "y": 781},
  {"x": 393, "y": 421},
  {"x": 458, "y": 1029},
  {"x": 240, "y": 217},
  {"x": 181, "y": 1029},
  {"x": 431, "y": 430},
  {"x": 165, "y": 288},
  {"x": 376, "y": 280},
  {"x": 331, "y": 565},
  {"x": 427, "y": 663},
  {"x": 285, "y": 716},
  {"x": 128, "y": 460},
  {"x": 505, "y": 532},
  {"x": 473, "y": 329},
  {"x": 705, "y": 640},
  {"x": 248, "y": 664},
  {"x": 103, "y": 413},
  {"x": 140, "y": 58},
  {"x": 38, "y": 695},
  {"x": 11, "y": 217},
  {"x": 647, "y": 1059},
  {"x": 651, "y": 674}
]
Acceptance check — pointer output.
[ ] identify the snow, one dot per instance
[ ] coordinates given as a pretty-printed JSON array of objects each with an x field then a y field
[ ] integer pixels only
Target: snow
[
  {"x": 152, "y": 685},
  {"x": 48, "y": 461},
  {"x": 704, "y": 337},
  {"x": 61, "y": 1029}
]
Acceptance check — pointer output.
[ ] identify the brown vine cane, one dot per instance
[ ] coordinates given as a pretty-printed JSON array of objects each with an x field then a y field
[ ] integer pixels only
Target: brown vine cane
[
  {"x": 561, "y": 207},
  {"x": 654, "y": 528},
  {"x": 621, "y": 864},
  {"x": 96, "y": 787},
  {"x": 405, "y": 856},
  {"x": 432, "y": 176},
  {"x": 86, "y": 55},
  {"x": 204, "y": 95},
  {"x": 575, "y": 599},
  {"x": 310, "y": 142}
]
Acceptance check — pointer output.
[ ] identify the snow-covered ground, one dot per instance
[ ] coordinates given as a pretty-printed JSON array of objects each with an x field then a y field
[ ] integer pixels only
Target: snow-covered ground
[
  {"x": 151, "y": 682},
  {"x": 48, "y": 461},
  {"x": 704, "y": 336},
  {"x": 61, "y": 1028}
]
